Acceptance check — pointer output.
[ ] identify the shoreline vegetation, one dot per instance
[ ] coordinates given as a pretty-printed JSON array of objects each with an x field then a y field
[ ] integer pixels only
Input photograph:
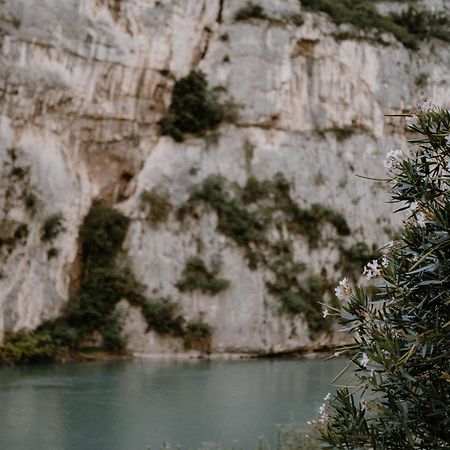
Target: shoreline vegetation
[{"x": 89, "y": 354}]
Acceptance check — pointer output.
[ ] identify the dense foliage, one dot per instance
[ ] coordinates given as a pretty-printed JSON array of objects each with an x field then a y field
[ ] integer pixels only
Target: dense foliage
[
  {"x": 92, "y": 314},
  {"x": 400, "y": 394},
  {"x": 196, "y": 276},
  {"x": 195, "y": 109},
  {"x": 410, "y": 27},
  {"x": 250, "y": 11},
  {"x": 162, "y": 316},
  {"x": 52, "y": 226},
  {"x": 249, "y": 215}
]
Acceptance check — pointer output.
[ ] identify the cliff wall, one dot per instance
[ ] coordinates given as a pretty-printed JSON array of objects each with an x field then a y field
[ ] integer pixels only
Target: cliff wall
[{"x": 83, "y": 84}]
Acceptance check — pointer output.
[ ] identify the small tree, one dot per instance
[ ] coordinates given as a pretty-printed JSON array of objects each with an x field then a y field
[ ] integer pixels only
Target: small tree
[{"x": 399, "y": 396}]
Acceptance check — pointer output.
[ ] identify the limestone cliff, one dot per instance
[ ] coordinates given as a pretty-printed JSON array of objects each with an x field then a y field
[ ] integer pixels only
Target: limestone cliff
[{"x": 83, "y": 84}]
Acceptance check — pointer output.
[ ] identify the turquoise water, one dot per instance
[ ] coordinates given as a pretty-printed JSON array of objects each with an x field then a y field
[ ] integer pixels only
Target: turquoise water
[{"x": 131, "y": 405}]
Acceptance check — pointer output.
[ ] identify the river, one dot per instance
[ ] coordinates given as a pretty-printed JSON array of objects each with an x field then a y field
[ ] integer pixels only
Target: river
[{"x": 131, "y": 405}]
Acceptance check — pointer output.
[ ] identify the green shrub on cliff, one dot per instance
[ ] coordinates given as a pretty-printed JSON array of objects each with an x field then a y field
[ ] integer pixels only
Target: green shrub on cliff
[
  {"x": 102, "y": 234},
  {"x": 92, "y": 312},
  {"x": 197, "y": 336},
  {"x": 158, "y": 205},
  {"x": 104, "y": 283},
  {"x": 163, "y": 317},
  {"x": 195, "y": 109},
  {"x": 400, "y": 392},
  {"x": 196, "y": 276},
  {"x": 250, "y": 11},
  {"x": 247, "y": 215},
  {"x": 410, "y": 27},
  {"x": 53, "y": 225}
]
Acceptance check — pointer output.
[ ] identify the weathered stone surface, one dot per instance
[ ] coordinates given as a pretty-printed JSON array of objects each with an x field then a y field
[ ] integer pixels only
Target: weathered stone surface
[{"x": 82, "y": 85}]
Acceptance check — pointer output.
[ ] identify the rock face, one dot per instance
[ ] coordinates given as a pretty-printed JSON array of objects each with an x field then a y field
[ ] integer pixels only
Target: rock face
[{"x": 83, "y": 84}]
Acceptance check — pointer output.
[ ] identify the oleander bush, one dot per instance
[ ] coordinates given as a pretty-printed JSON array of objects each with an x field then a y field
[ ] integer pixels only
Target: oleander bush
[
  {"x": 353, "y": 258},
  {"x": 399, "y": 395}
]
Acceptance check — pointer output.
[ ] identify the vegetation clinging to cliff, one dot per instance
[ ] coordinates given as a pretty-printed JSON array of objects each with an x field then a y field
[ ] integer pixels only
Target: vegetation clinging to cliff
[
  {"x": 250, "y": 11},
  {"x": 106, "y": 280},
  {"x": 196, "y": 276},
  {"x": 53, "y": 225},
  {"x": 248, "y": 226},
  {"x": 195, "y": 108},
  {"x": 158, "y": 205},
  {"x": 102, "y": 234},
  {"x": 410, "y": 27},
  {"x": 248, "y": 214},
  {"x": 161, "y": 315}
]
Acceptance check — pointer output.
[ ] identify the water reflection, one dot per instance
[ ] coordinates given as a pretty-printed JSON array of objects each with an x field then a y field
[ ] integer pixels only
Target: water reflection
[{"x": 135, "y": 404}]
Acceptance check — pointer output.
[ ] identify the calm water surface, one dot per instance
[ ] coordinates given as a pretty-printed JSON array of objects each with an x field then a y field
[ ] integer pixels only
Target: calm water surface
[{"x": 131, "y": 405}]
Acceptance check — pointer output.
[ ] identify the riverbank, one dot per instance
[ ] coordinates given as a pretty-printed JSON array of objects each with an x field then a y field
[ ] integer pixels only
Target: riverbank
[
  {"x": 309, "y": 353},
  {"x": 98, "y": 354}
]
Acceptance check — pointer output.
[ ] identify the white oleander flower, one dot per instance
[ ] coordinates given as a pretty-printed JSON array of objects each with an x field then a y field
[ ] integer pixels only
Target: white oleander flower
[
  {"x": 426, "y": 106},
  {"x": 372, "y": 270},
  {"x": 364, "y": 360},
  {"x": 327, "y": 397},
  {"x": 343, "y": 290},
  {"x": 364, "y": 405},
  {"x": 325, "y": 313},
  {"x": 412, "y": 121},
  {"x": 384, "y": 261},
  {"x": 323, "y": 415},
  {"x": 392, "y": 157}
]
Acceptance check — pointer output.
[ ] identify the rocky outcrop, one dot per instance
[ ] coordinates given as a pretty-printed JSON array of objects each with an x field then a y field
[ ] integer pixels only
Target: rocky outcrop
[{"x": 83, "y": 84}]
